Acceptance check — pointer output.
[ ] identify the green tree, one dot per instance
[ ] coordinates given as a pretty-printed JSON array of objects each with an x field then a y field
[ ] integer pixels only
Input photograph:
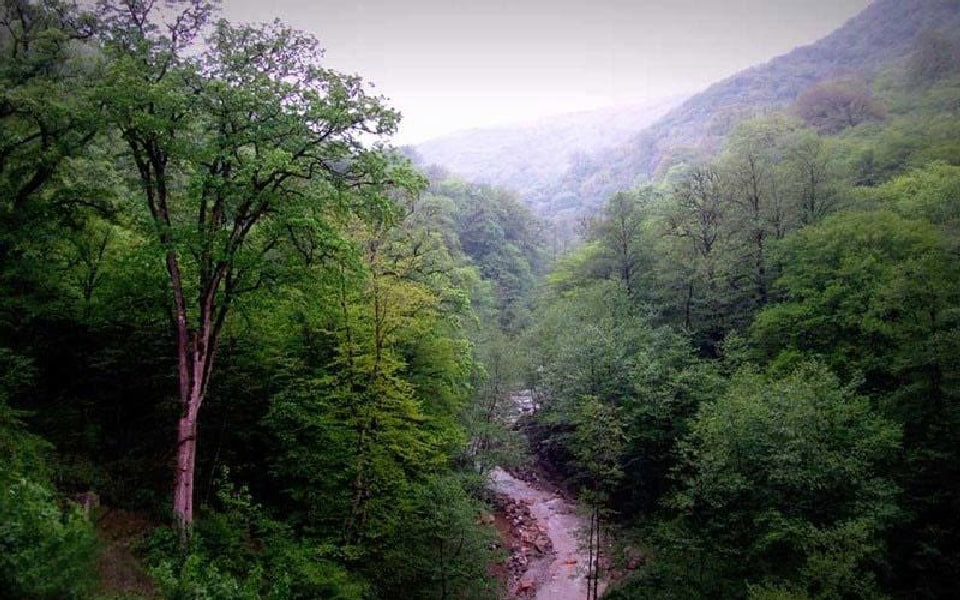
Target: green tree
[
  {"x": 864, "y": 291},
  {"x": 226, "y": 148},
  {"x": 48, "y": 110},
  {"x": 443, "y": 553},
  {"x": 875, "y": 295},
  {"x": 762, "y": 213},
  {"x": 619, "y": 229},
  {"x": 699, "y": 225},
  {"x": 598, "y": 444},
  {"x": 782, "y": 484},
  {"x": 46, "y": 551}
]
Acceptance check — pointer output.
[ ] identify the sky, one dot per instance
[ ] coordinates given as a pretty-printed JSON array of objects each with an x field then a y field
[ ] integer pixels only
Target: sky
[{"x": 449, "y": 65}]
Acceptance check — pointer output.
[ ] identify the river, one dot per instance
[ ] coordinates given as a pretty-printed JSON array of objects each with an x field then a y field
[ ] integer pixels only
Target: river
[{"x": 560, "y": 574}]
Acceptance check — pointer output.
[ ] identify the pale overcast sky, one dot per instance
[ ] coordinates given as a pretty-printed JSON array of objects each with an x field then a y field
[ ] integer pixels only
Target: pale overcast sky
[{"x": 456, "y": 64}]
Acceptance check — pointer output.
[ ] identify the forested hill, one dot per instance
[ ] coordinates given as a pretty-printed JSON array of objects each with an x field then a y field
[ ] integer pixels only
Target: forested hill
[
  {"x": 883, "y": 35},
  {"x": 749, "y": 364},
  {"x": 528, "y": 158}
]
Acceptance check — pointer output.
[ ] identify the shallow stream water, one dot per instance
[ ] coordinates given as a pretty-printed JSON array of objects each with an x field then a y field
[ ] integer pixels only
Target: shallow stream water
[{"x": 562, "y": 575}]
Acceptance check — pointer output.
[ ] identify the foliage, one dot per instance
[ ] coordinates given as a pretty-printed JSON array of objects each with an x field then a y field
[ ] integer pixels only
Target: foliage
[
  {"x": 46, "y": 551},
  {"x": 887, "y": 34},
  {"x": 443, "y": 553},
  {"x": 781, "y": 483},
  {"x": 832, "y": 106},
  {"x": 853, "y": 293},
  {"x": 748, "y": 364},
  {"x": 501, "y": 238}
]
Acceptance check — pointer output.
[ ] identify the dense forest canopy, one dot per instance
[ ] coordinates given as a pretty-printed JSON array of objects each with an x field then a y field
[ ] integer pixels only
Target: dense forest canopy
[
  {"x": 250, "y": 350},
  {"x": 775, "y": 327}
]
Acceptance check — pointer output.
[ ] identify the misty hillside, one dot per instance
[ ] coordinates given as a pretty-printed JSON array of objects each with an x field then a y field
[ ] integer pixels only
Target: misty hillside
[
  {"x": 529, "y": 158},
  {"x": 882, "y": 35}
]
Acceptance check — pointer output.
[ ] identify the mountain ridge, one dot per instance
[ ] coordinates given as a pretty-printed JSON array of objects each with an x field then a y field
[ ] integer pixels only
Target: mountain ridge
[
  {"x": 878, "y": 37},
  {"x": 538, "y": 151}
]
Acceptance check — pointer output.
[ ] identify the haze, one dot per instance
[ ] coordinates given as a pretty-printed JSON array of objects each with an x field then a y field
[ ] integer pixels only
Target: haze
[{"x": 456, "y": 64}]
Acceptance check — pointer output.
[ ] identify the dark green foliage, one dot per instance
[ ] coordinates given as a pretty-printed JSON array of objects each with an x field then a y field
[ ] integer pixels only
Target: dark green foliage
[
  {"x": 876, "y": 295},
  {"x": 47, "y": 108},
  {"x": 47, "y": 545},
  {"x": 592, "y": 347},
  {"x": 781, "y": 484},
  {"x": 442, "y": 552},
  {"x": 860, "y": 289},
  {"x": 46, "y": 552},
  {"x": 223, "y": 564},
  {"x": 502, "y": 239},
  {"x": 341, "y": 395}
]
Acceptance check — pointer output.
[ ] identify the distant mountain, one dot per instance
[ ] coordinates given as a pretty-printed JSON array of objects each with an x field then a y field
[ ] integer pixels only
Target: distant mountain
[
  {"x": 883, "y": 34},
  {"x": 530, "y": 157}
]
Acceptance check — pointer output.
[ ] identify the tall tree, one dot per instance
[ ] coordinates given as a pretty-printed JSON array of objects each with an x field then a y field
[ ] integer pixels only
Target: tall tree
[
  {"x": 228, "y": 146},
  {"x": 699, "y": 221},
  {"x": 598, "y": 444},
  {"x": 619, "y": 230}
]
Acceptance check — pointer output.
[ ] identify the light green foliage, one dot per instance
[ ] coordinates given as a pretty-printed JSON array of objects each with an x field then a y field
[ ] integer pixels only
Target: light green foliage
[
  {"x": 579, "y": 267},
  {"x": 369, "y": 417},
  {"x": 581, "y": 348},
  {"x": 931, "y": 194}
]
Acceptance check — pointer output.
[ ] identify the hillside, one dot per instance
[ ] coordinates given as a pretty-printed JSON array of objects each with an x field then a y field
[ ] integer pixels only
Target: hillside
[
  {"x": 880, "y": 36},
  {"x": 528, "y": 158}
]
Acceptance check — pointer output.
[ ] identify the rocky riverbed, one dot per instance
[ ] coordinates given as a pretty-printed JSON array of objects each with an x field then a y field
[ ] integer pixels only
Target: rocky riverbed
[{"x": 546, "y": 561}]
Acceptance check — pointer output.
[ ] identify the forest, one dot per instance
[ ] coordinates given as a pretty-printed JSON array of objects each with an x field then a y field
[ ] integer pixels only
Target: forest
[{"x": 251, "y": 350}]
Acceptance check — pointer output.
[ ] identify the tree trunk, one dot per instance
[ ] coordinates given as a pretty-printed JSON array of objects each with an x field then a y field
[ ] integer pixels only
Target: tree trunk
[
  {"x": 195, "y": 351},
  {"x": 193, "y": 390},
  {"x": 186, "y": 467},
  {"x": 590, "y": 549}
]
